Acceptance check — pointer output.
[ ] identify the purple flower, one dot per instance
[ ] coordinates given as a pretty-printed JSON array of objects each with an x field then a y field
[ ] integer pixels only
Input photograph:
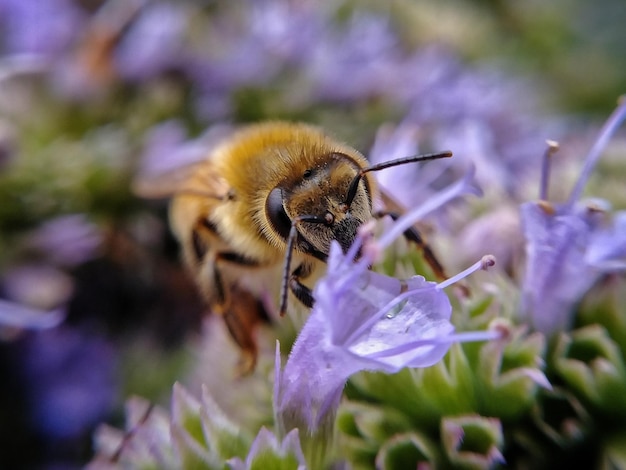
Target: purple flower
[
  {"x": 19, "y": 316},
  {"x": 154, "y": 42},
  {"x": 569, "y": 246},
  {"x": 400, "y": 182},
  {"x": 68, "y": 240},
  {"x": 69, "y": 379},
  {"x": 368, "y": 47},
  {"x": 43, "y": 29},
  {"x": 39, "y": 286},
  {"x": 363, "y": 320}
]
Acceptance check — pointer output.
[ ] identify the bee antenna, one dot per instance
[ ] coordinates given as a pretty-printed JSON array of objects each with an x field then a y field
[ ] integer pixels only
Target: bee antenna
[{"x": 381, "y": 166}]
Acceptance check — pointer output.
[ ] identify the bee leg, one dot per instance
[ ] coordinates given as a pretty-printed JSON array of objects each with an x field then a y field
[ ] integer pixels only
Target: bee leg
[
  {"x": 241, "y": 310},
  {"x": 291, "y": 281},
  {"x": 242, "y": 316},
  {"x": 413, "y": 235},
  {"x": 302, "y": 292}
]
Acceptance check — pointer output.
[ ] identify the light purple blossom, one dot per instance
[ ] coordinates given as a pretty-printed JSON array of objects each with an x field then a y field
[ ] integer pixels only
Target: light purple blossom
[
  {"x": 400, "y": 182},
  {"x": 363, "y": 320},
  {"x": 475, "y": 107},
  {"x": 570, "y": 245}
]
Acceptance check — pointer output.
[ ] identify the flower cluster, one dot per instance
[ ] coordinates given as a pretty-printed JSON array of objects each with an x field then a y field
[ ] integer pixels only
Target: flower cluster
[
  {"x": 379, "y": 354},
  {"x": 362, "y": 320}
]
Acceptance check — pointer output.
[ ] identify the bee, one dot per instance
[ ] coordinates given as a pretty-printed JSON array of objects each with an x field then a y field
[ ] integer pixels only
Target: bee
[{"x": 269, "y": 200}]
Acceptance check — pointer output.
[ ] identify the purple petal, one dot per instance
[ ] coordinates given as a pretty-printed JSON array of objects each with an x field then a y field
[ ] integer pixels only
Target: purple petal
[
  {"x": 606, "y": 133},
  {"x": 607, "y": 250},
  {"x": 362, "y": 320},
  {"x": 556, "y": 275}
]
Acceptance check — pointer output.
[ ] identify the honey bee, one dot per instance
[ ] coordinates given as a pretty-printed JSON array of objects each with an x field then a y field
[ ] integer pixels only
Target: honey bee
[{"x": 273, "y": 196}]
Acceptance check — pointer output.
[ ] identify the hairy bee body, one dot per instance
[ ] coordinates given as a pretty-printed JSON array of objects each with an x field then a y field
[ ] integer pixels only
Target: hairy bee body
[
  {"x": 229, "y": 233},
  {"x": 271, "y": 196},
  {"x": 266, "y": 156}
]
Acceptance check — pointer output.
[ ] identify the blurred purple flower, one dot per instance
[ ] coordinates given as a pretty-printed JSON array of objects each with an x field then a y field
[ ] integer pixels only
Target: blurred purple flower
[
  {"x": 39, "y": 286},
  {"x": 236, "y": 53},
  {"x": 452, "y": 106},
  {"x": 401, "y": 183},
  {"x": 87, "y": 69},
  {"x": 154, "y": 43},
  {"x": 367, "y": 321},
  {"x": 286, "y": 30},
  {"x": 367, "y": 47},
  {"x": 487, "y": 117},
  {"x": 39, "y": 28},
  {"x": 67, "y": 240},
  {"x": 69, "y": 380},
  {"x": 250, "y": 47},
  {"x": 15, "y": 315},
  {"x": 569, "y": 246}
]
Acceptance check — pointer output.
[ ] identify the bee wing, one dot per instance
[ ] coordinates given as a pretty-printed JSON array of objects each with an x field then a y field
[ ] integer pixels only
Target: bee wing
[
  {"x": 184, "y": 166},
  {"x": 200, "y": 178},
  {"x": 162, "y": 185}
]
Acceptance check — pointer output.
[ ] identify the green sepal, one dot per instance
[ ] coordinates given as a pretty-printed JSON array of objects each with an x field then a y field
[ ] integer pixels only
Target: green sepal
[
  {"x": 509, "y": 374},
  {"x": 614, "y": 453},
  {"x": 409, "y": 450},
  {"x": 472, "y": 441},
  {"x": 201, "y": 432},
  {"x": 592, "y": 366},
  {"x": 187, "y": 433},
  {"x": 268, "y": 453}
]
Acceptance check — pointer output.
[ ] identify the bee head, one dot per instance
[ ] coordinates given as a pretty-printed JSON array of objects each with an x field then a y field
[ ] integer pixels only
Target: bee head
[{"x": 329, "y": 201}]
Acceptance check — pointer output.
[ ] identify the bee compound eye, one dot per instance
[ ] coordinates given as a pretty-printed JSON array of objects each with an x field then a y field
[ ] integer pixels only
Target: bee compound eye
[{"x": 276, "y": 214}]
